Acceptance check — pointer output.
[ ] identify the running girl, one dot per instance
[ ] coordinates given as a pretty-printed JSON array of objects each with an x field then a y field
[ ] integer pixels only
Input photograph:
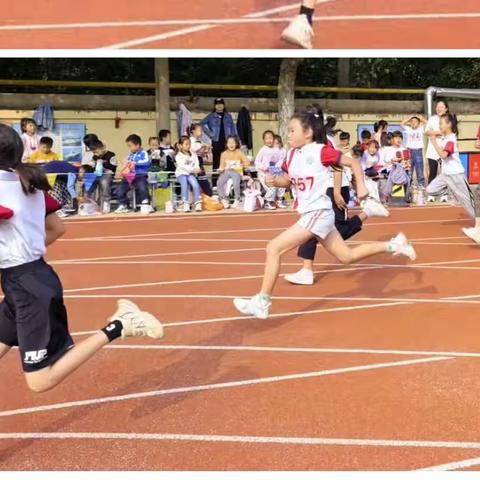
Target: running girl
[
  {"x": 452, "y": 179},
  {"x": 32, "y": 314},
  {"x": 339, "y": 192},
  {"x": 307, "y": 170},
  {"x": 299, "y": 31}
]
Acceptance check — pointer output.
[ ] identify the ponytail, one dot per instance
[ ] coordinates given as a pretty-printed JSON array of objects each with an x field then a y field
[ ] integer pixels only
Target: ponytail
[
  {"x": 32, "y": 178},
  {"x": 312, "y": 118},
  {"x": 452, "y": 120}
]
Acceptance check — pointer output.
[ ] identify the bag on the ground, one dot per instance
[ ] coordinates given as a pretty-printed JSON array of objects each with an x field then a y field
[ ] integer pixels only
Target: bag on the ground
[
  {"x": 210, "y": 204},
  {"x": 88, "y": 207},
  {"x": 253, "y": 196}
]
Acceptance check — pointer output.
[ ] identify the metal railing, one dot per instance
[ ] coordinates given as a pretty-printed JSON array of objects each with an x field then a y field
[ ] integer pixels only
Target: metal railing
[{"x": 208, "y": 87}]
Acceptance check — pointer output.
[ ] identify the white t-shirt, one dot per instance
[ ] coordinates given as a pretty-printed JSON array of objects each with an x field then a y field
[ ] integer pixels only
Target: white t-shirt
[
  {"x": 87, "y": 159},
  {"x": 22, "y": 237},
  {"x": 309, "y": 170},
  {"x": 433, "y": 124},
  {"x": 393, "y": 154},
  {"x": 451, "y": 165},
  {"x": 30, "y": 145},
  {"x": 414, "y": 137}
]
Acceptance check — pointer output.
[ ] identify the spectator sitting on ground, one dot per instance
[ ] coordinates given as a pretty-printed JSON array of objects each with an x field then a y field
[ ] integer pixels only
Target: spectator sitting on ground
[
  {"x": 135, "y": 174},
  {"x": 44, "y": 154}
]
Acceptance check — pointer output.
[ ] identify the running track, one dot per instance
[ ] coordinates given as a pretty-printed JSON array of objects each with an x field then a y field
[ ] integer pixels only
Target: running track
[
  {"x": 374, "y": 368},
  {"x": 237, "y": 24}
]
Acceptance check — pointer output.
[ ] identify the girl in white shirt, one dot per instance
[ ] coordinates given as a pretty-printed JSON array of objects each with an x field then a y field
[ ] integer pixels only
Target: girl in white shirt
[
  {"x": 452, "y": 179},
  {"x": 33, "y": 316},
  {"x": 30, "y": 138},
  {"x": 188, "y": 167},
  {"x": 307, "y": 170},
  {"x": 432, "y": 130}
]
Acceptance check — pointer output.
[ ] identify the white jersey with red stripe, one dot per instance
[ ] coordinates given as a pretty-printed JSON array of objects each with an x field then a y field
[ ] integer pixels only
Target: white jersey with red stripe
[
  {"x": 309, "y": 170},
  {"x": 452, "y": 165}
]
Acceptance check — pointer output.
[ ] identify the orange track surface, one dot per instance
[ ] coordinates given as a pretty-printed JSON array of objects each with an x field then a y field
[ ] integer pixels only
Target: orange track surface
[
  {"x": 373, "y": 315},
  {"x": 405, "y": 25}
]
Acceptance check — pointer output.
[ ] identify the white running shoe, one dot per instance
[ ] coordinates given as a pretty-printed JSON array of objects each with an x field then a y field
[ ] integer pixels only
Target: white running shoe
[
  {"x": 136, "y": 323},
  {"x": 444, "y": 199},
  {"x": 122, "y": 209},
  {"x": 372, "y": 208},
  {"x": 235, "y": 204},
  {"x": 256, "y": 306},
  {"x": 106, "y": 208},
  {"x": 226, "y": 204},
  {"x": 186, "y": 207},
  {"x": 431, "y": 199},
  {"x": 198, "y": 207},
  {"x": 401, "y": 246},
  {"x": 302, "y": 277},
  {"x": 299, "y": 32},
  {"x": 472, "y": 234}
]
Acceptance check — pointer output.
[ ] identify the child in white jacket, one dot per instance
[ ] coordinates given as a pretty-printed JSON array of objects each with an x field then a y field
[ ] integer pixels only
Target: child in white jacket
[{"x": 188, "y": 167}]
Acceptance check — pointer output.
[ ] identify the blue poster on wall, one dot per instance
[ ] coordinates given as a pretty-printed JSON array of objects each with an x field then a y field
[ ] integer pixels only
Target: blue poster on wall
[{"x": 67, "y": 140}]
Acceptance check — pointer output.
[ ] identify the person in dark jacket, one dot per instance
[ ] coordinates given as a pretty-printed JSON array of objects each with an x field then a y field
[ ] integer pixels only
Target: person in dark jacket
[
  {"x": 244, "y": 128},
  {"x": 219, "y": 125}
]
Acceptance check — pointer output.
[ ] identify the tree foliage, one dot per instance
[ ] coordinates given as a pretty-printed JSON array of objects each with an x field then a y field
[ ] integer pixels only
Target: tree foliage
[{"x": 365, "y": 72}]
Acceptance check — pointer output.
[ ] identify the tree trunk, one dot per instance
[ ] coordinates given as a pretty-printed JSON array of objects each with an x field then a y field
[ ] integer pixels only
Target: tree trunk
[
  {"x": 286, "y": 93},
  {"x": 343, "y": 75},
  {"x": 162, "y": 93}
]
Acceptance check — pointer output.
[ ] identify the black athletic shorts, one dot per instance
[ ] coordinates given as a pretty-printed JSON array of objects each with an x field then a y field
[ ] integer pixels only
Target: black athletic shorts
[{"x": 33, "y": 315}]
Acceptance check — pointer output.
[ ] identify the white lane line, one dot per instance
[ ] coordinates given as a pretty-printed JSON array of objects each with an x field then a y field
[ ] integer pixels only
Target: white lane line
[
  {"x": 268, "y": 349},
  {"x": 306, "y": 312},
  {"x": 448, "y": 467},
  {"x": 252, "y": 264},
  {"x": 217, "y": 386},
  {"x": 368, "y": 225},
  {"x": 342, "y": 299},
  {"x": 160, "y": 37},
  {"x": 251, "y": 17},
  {"x": 273, "y": 315},
  {"x": 219, "y": 240},
  {"x": 181, "y": 437},
  {"x": 156, "y": 255},
  {"x": 339, "y": 269},
  {"x": 248, "y": 19},
  {"x": 168, "y": 217},
  {"x": 228, "y": 216},
  {"x": 201, "y": 232},
  {"x": 203, "y": 280}
]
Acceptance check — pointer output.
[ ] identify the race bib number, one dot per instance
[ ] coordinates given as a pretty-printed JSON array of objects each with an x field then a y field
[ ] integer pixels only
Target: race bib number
[{"x": 303, "y": 184}]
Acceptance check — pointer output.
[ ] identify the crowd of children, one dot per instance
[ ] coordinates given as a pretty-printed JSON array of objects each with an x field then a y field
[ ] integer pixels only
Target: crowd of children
[{"x": 391, "y": 159}]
